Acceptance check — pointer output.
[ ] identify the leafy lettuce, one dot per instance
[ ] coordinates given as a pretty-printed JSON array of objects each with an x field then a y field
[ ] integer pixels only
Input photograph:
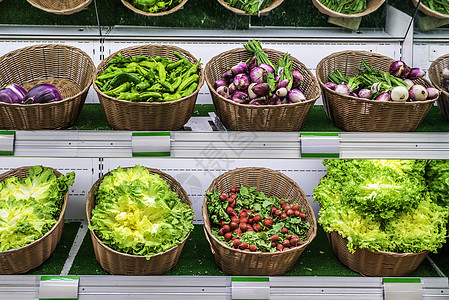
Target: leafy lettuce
[
  {"x": 138, "y": 213},
  {"x": 381, "y": 205},
  {"x": 437, "y": 176},
  {"x": 30, "y": 207}
]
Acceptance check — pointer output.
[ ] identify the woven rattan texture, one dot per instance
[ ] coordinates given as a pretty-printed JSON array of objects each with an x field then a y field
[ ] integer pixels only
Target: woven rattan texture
[
  {"x": 265, "y": 11},
  {"x": 371, "y": 6},
  {"x": 358, "y": 114},
  {"x": 68, "y": 68},
  {"x": 430, "y": 12},
  {"x": 434, "y": 73},
  {"x": 26, "y": 258},
  {"x": 120, "y": 263},
  {"x": 272, "y": 183},
  {"x": 60, "y": 7},
  {"x": 379, "y": 263},
  {"x": 163, "y": 13},
  {"x": 126, "y": 115},
  {"x": 246, "y": 117}
]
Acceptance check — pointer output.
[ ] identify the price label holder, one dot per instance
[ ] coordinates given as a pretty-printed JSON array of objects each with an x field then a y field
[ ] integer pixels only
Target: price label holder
[
  {"x": 320, "y": 145},
  {"x": 250, "y": 288},
  {"x": 58, "y": 287},
  {"x": 151, "y": 143},
  {"x": 402, "y": 288},
  {"x": 7, "y": 143}
]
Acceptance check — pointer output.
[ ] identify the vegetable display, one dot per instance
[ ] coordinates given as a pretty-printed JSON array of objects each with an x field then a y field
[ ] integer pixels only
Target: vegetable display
[
  {"x": 381, "y": 205},
  {"x": 30, "y": 206},
  {"x": 41, "y": 93},
  {"x": 347, "y": 7},
  {"x": 437, "y": 178},
  {"x": 149, "y": 79},
  {"x": 251, "y": 7},
  {"x": 138, "y": 213},
  {"x": 440, "y": 6},
  {"x": 260, "y": 82},
  {"x": 250, "y": 221},
  {"x": 154, "y": 6},
  {"x": 396, "y": 85}
]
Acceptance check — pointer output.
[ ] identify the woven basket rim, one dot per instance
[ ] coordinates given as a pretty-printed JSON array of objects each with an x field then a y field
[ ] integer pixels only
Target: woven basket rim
[
  {"x": 364, "y": 100},
  {"x": 325, "y": 10},
  {"x": 174, "y": 48},
  {"x": 431, "y": 69},
  {"x": 136, "y": 10},
  {"x": 428, "y": 11},
  {"x": 249, "y": 106},
  {"x": 207, "y": 228},
  {"x": 61, "y": 214},
  {"x": 272, "y": 6},
  {"x": 31, "y": 48},
  {"x": 66, "y": 11},
  {"x": 88, "y": 213}
]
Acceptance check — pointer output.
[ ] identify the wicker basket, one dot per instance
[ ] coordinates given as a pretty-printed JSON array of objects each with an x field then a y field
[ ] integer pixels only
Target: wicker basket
[
  {"x": 434, "y": 73},
  {"x": 68, "y": 68},
  {"x": 127, "y": 115},
  {"x": 272, "y": 183},
  {"x": 246, "y": 117},
  {"x": 358, "y": 114},
  {"x": 60, "y": 7},
  {"x": 26, "y": 258},
  {"x": 164, "y": 13},
  {"x": 265, "y": 11},
  {"x": 375, "y": 263},
  {"x": 427, "y": 11},
  {"x": 120, "y": 263},
  {"x": 371, "y": 6}
]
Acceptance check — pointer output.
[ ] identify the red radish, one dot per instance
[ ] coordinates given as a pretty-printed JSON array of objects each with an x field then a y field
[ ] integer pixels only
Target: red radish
[
  {"x": 295, "y": 207},
  {"x": 233, "y": 190},
  {"x": 242, "y": 226},
  {"x": 243, "y": 245},
  {"x": 301, "y": 243},
  {"x": 294, "y": 241},
  {"x": 273, "y": 209},
  {"x": 223, "y": 197},
  {"x": 226, "y": 228},
  {"x": 297, "y": 213},
  {"x": 287, "y": 207},
  {"x": 233, "y": 225},
  {"x": 252, "y": 248},
  {"x": 243, "y": 220},
  {"x": 280, "y": 247},
  {"x": 289, "y": 237},
  {"x": 278, "y": 212},
  {"x": 274, "y": 238},
  {"x": 282, "y": 202},
  {"x": 294, "y": 236},
  {"x": 235, "y": 219},
  {"x": 251, "y": 221},
  {"x": 236, "y": 243},
  {"x": 249, "y": 229},
  {"x": 230, "y": 200},
  {"x": 249, "y": 211},
  {"x": 284, "y": 230},
  {"x": 283, "y": 215},
  {"x": 290, "y": 212},
  {"x": 257, "y": 227},
  {"x": 232, "y": 205},
  {"x": 257, "y": 218},
  {"x": 234, "y": 196},
  {"x": 246, "y": 250},
  {"x": 220, "y": 232},
  {"x": 238, "y": 231},
  {"x": 286, "y": 243},
  {"x": 273, "y": 244},
  {"x": 302, "y": 215},
  {"x": 267, "y": 222},
  {"x": 230, "y": 211},
  {"x": 222, "y": 222},
  {"x": 228, "y": 236}
]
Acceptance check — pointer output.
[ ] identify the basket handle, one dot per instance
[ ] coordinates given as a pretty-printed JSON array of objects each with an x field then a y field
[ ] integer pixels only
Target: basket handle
[{"x": 208, "y": 239}]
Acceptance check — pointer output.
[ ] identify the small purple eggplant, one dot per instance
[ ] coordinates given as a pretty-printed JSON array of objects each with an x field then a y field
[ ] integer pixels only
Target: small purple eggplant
[
  {"x": 418, "y": 93},
  {"x": 261, "y": 89},
  {"x": 384, "y": 97},
  {"x": 227, "y": 76},
  {"x": 409, "y": 82},
  {"x": 258, "y": 75},
  {"x": 331, "y": 85},
  {"x": 239, "y": 68},
  {"x": 42, "y": 93},
  {"x": 365, "y": 93},
  {"x": 297, "y": 78},
  {"x": 282, "y": 83},
  {"x": 232, "y": 89},
  {"x": 252, "y": 63},
  {"x": 218, "y": 83},
  {"x": 432, "y": 93},
  {"x": 240, "y": 97},
  {"x": 282, "y": 92},
  {"x": 445, "y": 73},
  {"x": 268, "y": 68},
  {"x": 342, "y": 89},
  {"x": 12, "y": 93},
  {"x": 223, "y": 91},
  {"x": 416, "y": 73},
  {"x": 399, "y": 69},
  {"x": 241, "y": 81},
  {"x": 296, "y": 96},
  {"x": 273, "y": 99}
]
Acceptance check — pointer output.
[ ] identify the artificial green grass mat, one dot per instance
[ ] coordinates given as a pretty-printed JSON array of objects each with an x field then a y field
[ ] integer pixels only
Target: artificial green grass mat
[
  {"x": 54, "y": 264},
  {"x": 197, "y": 260},
  {"x": 92, "y": 118}
]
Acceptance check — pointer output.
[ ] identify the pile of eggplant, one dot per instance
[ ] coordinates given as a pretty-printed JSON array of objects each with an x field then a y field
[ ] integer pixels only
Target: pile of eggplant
[{"x": 41, "y": 93}]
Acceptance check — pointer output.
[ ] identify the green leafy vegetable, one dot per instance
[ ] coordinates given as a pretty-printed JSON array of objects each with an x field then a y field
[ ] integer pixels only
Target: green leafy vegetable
[
  {"x": 138, "y": 213},
  {"x": 437, "y": 176},
  {"x": 251, "y": 7},
  {"x": 381, "y": 205},
  {"x": 30, "y": 206},
  {"x": 345, "y": 6}
]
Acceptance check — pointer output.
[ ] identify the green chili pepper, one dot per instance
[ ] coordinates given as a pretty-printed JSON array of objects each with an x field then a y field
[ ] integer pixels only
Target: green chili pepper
[
  {"x": 192, "y": 70},
  {"x": 189, "y": 90},
  {"x": 155, "y": 88},
  {"x": 161, "y": 71},
  {"x": 139, "y": 58},
  {"x": 146, "y": 95},
  {"x": 123, "y": 77},
  {"x": 99, "y": 84},
  {"x": 184, "y": 59},
  {"x": 143, "y": 85},
  {"x": 188, "y": 81},
  {"x": 177, "y": 83},
  {"x": 129, "y": 96},
  {"x": 172, "y": 97},
  {"x": 121, "y": 88},
  {"x": 109, "y": 75},
  {"x": 168, "y": 86},
  {"x": 172, "y": 66},
  {"x": 148, "y": 64}
]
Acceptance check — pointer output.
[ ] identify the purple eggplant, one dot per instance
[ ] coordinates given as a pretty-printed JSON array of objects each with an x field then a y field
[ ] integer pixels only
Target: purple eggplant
[
  {"x": 445, "y": 73},
  {"x": 365, "y": 93},
  {"x": 219, "y": 82},
  {"x": 409, "y": 82},
  {"x": 399, "y": 69},
  {"x": 12, "y": 93},
  {"x": 330, "y": 85},
  {"x": 418, "y": 93},
  {"x": 227, "y": 76},
  {"x": 42, "y": 93},
  {"x": 232, "y": 89},
  {"x": 296, "y": 95},
  {"x": 342, "y": 89},
  {"x": 258, "y": 75},
  {"x": 239, "y": 68},
  {"x": 240, "y": 97},
  {"x": 432, "y": 93},
  {"x": 261, "y": 89},
  {"x": 416, "y": 73},
  {"x": 384, "y": 97},
  {"x": 252, "y": 63},
  {"x": 282, "y": 83},
  {"x": 241, "y": 81},
  {"x": 297, "y": 78},
  {"x": 223, "y": 91},
  {"x": 282, "y": 92},
  {"x": 273, "y": 99},
  {"x": 268, "y": 68}
]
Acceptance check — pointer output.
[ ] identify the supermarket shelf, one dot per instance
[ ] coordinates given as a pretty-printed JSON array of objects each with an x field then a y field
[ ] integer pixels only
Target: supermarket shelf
[{"x": 215, "y": 287}]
